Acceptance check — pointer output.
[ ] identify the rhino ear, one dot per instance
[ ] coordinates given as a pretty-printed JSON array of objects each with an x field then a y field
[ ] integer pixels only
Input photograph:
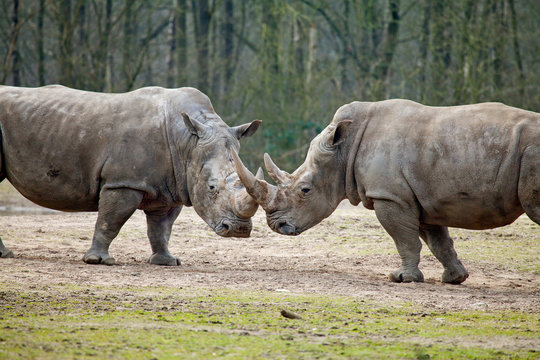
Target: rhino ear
[
  {"x": 195, "y": 127},
  {"x": 246, "y": 129},
  {"x": 340, "y": 133}
]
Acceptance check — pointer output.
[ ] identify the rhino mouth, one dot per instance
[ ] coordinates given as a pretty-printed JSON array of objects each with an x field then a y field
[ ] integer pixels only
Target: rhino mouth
[
  {"x": 233, "y": 228},
  {"x": 283, "y": 226}
]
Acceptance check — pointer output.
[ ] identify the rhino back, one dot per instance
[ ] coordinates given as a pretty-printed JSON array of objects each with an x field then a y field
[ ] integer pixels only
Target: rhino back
[
  {"x": 459, "y": 164},
  {"x": 60, "y": 145}
]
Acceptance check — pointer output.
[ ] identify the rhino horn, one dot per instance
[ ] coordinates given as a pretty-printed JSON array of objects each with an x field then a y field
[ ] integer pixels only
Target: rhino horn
[
  {"x": 258, "y": 188},
  {"x": 244, "y": 205},
  {"x": 279, "y": 176},
  {"x": 260, "y": 174}
]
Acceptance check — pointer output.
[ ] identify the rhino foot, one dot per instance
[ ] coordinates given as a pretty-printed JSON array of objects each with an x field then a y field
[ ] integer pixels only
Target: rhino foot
[
  {"x": 95, "y": 258},
  {"x": 6, "y": 253},
  {"x": 455, "y": 276},
  {"x": 402, "y": 275},
  {"x": 167, "y": 260}
]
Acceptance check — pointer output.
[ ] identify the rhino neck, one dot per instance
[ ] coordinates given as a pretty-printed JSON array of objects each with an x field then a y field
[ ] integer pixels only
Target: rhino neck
[
  {"x": 352, "y": 191},
  {"x": 176, "y": 141}
]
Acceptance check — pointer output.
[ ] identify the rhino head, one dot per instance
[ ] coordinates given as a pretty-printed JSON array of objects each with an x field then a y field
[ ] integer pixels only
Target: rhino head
[
  {"x": 215, "y": 191},
  {"x": 311, "y": 193}
]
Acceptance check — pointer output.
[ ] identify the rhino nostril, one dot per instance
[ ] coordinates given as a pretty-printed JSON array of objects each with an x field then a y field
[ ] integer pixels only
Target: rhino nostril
[
  {"x": 285, "y": 228},
  {"x": 223, "y": 228}
]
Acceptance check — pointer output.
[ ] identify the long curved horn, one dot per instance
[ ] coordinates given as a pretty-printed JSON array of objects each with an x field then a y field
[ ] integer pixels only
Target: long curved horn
[
  {"x": 280, "y": 176},
  {"x": 257, "y": 188},
  {"x": 244, "y": 205}
]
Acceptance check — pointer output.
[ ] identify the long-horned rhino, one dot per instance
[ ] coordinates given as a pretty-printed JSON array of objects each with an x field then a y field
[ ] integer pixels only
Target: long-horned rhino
[
  {"x": 421, "y": 168},
  {"x": 152, "y": 149}
]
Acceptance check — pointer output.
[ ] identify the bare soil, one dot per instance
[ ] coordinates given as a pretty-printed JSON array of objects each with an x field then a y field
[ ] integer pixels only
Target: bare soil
[{"x": 347, "y": 254}]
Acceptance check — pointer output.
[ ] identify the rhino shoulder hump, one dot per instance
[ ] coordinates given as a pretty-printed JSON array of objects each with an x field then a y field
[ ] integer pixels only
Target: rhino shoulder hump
[{"x": 351, "y": 110}]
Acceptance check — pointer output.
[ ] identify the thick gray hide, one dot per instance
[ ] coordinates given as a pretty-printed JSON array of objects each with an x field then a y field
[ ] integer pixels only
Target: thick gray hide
[
  {"x": 422, "y": 169},
  {"x": 74, "y": 150}
]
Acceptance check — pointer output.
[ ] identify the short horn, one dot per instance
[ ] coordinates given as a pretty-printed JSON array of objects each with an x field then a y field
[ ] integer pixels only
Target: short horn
[
  {"x": 257, "y": 188},
  {"x": 260, "y": 174},
  {"x": 280, "y": 176},
  {"x": 244, "y": 205}
]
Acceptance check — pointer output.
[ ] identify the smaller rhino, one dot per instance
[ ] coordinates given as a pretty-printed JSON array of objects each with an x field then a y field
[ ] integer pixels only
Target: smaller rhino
[
  {"x": 151, "y": 149},
  {"x": 422, "y": 169}
]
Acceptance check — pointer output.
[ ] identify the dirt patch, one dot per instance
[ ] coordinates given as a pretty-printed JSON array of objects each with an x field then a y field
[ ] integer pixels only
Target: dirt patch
[{"x": 348, "y": 254}]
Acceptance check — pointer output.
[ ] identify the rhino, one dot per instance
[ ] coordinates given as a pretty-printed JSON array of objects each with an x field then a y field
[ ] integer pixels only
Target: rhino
[
  {"x": 152, "y": 149},
  {"x": 421, "y": 168}
]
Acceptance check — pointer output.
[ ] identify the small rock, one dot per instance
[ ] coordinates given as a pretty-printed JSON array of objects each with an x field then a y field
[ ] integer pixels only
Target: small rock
[{"x": 289, "y": 314}]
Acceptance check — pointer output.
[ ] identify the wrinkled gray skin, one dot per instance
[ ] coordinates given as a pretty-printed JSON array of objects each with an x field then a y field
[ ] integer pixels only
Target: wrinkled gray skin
[
  {"x": 152, "y": 149},
  {"x": 422, "y": 169}
]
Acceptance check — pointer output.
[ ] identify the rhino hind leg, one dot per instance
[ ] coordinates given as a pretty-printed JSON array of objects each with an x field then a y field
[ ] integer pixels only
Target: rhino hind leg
[
  {"x": 4, "y": 251},
  {"x": 159, "y": 231},
  {"x": 442, "y": 246},
  {"x": 115, "y": 207},
  {"x": 403, "y": 226},
  {"x": 529, "y": 183}
]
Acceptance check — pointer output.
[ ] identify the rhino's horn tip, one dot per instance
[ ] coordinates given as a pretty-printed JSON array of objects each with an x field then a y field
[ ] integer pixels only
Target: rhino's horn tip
[{"x": 260, "y": 174}]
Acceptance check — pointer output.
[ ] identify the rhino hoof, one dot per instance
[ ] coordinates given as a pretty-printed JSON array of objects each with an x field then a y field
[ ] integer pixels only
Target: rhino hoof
[
  {"x": 401, "y": 275},
  {"x": 7, "y": 254},
  {"x": 97, "y": 259},
  {"x": 165, "y": 260},
  {"x": 454, "y": 277}
]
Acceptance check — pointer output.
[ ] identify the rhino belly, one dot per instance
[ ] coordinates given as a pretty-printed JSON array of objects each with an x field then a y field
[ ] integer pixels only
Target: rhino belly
[
  {"x": 466, "y": 211},
  {"x": 59, "y": 182}
]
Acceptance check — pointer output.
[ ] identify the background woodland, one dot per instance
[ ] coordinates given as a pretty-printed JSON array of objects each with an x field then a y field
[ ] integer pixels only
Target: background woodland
[{"x": 289, "y": 63}]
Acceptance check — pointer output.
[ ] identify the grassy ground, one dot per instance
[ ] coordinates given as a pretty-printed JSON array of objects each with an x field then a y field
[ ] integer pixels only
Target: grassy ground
[
  {"x": 225, "y": 301},
  {"x": 77, "y": 323},
  {"x": 161, "y": 323}
]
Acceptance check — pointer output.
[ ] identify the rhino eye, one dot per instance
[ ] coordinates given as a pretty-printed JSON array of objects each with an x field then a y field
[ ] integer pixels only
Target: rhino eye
[
  {"x": 306, "y": 190},
  {"x": 212, "y": 187}
]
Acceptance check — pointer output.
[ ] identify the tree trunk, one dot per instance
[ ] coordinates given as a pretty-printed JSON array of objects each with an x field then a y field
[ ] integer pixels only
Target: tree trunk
[
  {"x": 80, "y": 82},
  {"x": 107, "y": 58},
  {"x": 172, "y": 47},
  {"x": 181, "y": 42},
  {"x": 386, "y": 54},
  {"x": 129, "y": 34},
  {"x": 517, "y": 52},
  {"x": 270, "y": 37},
  {"x": 463, "y": 49},
  {"x": 66, "y": 43},
  {"x": 424, "y": 44},
  {"x": 15, "y": 68},
  {"x": 299, "y": 42},
  {"x": 202, "y": 17},
  {"x": 312, "y": 53},
  {"x": 499, "y": 43},
  {"x": 228, "y": 47},
  {"x": 440, "y": 49},
  {"x": 40, "y": 45}
]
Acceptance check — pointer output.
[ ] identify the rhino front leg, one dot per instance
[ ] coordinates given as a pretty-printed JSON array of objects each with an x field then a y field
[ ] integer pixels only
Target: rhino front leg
[
  {"x": 442, "y": 246},
  {"x": 403, "y": 226},
  {"x": 114, "y": 209},
  {"x": 4, "y": 251},
  {"x": 159, "y": 231}
]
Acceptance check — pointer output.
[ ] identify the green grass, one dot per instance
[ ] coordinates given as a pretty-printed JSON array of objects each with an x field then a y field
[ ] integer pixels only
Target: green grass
[{"x": 162, "y": 323}]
